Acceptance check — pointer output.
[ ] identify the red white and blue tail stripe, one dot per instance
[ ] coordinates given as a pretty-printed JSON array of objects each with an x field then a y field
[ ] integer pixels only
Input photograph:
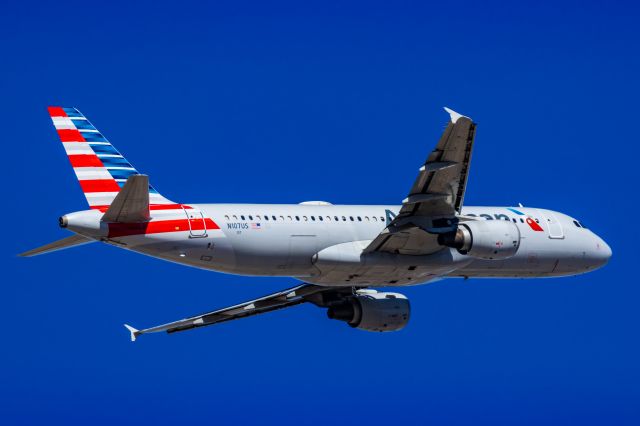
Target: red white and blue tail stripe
[{"x": 99, "y": 167}]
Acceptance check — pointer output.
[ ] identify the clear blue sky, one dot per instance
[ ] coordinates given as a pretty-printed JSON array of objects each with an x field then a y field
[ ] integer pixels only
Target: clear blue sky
[{"x": 286, "y": 102}]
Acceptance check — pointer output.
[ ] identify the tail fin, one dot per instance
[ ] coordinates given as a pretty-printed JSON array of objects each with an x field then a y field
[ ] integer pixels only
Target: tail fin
[{"x": 99, "y": 167}]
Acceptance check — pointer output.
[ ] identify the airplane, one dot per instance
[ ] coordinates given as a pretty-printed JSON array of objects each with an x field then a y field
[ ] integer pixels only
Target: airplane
[{"x": 337, "y": 252}]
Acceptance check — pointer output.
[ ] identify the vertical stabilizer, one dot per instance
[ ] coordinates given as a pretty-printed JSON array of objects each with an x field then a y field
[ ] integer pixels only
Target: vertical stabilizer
[{"x": 99, "y": 167}]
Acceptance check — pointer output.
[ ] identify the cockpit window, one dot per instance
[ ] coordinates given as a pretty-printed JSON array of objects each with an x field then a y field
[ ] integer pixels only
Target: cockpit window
[{"x": 576, "y": 223}]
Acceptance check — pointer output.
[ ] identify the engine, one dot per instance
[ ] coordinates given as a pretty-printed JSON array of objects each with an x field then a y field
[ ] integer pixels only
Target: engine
[
  {"x": 372, "y": 311},
  {"x": 491, "y": 240}
]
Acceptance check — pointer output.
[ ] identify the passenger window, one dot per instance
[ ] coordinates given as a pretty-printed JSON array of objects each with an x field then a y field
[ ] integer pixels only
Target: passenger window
[
  {"x": 258, "y": 217},
  {"x": 359, "y": 219},
  {"x": 298, "y": 218},
  {"x": 351, "y": 217},
  {"x": 344, "y": 219},
  {"x": 514, "y": 220},
  {"x": 235, "y": 217},
  {"x": 274, "y": 217},
  {"x": 336, "y": 218},
  {"x": 328, "y": 218},
  {"x": 320, "y": 217},
  {"x": 521, "y": 220},
  {"x": 242, "y": 217},
  {"x": 366, "y": 218},
  {"x": 226, "y": 216},
  {"x": 375, "y": 219},
  {"x": 250, "y": 217},
  {"x": 313, "y": 218},
  {"x": 381, "y": 218},
  {"x": 289, "y": 217},
  {"x": 305, "y": 218},
  {"x": 266, "y": 217}
]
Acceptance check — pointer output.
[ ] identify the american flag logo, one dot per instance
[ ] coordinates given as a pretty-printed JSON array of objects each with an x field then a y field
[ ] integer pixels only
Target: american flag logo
[{"x": 255, "y": 225}]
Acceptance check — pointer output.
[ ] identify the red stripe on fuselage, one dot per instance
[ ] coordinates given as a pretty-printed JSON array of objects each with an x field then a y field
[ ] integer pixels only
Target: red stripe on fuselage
[
  {"x": 85, "y": 161},
  {"x": 99, "y": 185},
  {"x": 158, "y": 227},
  {"x": 151, "y": 207},
  {"x": 70, "y": 135},
  {"x": 56, "y": 112},
  {"x": 169, "y": 206}
]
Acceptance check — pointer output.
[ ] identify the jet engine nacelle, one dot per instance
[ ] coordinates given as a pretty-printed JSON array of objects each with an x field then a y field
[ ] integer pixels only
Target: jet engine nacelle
[
  {"x": 491, "y": 240},
  {"x": 373, "y": 311}
]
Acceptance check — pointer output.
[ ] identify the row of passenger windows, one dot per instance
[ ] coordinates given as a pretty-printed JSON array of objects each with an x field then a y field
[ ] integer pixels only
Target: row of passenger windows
[
  {"x": 275, "y": 218},
  {"x": 289, "y": 218}
]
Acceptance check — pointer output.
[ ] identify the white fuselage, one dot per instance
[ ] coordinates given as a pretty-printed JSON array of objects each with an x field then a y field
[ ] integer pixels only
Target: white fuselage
[{"x": 323, "y": 244}]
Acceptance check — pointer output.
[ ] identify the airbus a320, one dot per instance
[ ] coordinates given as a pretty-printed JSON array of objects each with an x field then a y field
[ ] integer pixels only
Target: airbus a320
[{"x": 337, "y": 252}]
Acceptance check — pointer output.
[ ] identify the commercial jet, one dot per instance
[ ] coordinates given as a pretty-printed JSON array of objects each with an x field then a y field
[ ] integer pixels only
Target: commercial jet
[{"x": 337, "y": 252}]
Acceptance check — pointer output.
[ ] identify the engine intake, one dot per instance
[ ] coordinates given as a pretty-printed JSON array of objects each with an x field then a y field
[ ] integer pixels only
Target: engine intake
[
  {"x": 491, "y": 240},
  {"x": 373, "y": 311}
]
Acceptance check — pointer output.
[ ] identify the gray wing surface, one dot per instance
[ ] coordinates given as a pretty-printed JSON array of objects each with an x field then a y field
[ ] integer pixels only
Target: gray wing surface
[
  {"x": 436, "y": 197},
  {"x": 304, "y": 293}
]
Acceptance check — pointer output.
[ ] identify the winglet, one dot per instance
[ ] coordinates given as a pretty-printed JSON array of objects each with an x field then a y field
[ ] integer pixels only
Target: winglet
[
  {"x": 133, "y": 331},
  {"x": 454, "y": 115}
]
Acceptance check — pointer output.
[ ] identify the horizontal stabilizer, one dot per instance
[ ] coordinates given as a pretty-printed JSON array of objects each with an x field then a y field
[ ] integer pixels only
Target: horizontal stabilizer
[
  {"x": 131, "y": 205},
  {"x": 72, "y": 241}
]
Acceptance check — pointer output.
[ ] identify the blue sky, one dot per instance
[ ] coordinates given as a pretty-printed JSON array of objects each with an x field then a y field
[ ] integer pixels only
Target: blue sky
[{"x": 286, "y": 102}]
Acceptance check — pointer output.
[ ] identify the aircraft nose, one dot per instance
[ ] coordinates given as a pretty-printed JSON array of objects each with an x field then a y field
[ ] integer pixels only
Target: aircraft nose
[{"x": 602, "y": 252}]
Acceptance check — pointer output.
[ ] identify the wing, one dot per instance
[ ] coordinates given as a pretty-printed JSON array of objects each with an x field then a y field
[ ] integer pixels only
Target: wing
[
  {"x": 317, "y": 295},
  {"x": 436, "y": 196}
]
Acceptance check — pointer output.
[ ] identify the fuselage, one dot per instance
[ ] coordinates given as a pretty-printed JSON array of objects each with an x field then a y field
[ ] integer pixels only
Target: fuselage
[{"x": 323, "y": 243}]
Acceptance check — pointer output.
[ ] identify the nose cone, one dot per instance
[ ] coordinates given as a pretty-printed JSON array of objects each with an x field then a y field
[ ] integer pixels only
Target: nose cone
[{"x": 601, "y": 254}]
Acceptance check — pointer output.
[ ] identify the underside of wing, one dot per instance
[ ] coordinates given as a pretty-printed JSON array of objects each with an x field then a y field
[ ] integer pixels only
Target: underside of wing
[{"x": 436, "y": 197}]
